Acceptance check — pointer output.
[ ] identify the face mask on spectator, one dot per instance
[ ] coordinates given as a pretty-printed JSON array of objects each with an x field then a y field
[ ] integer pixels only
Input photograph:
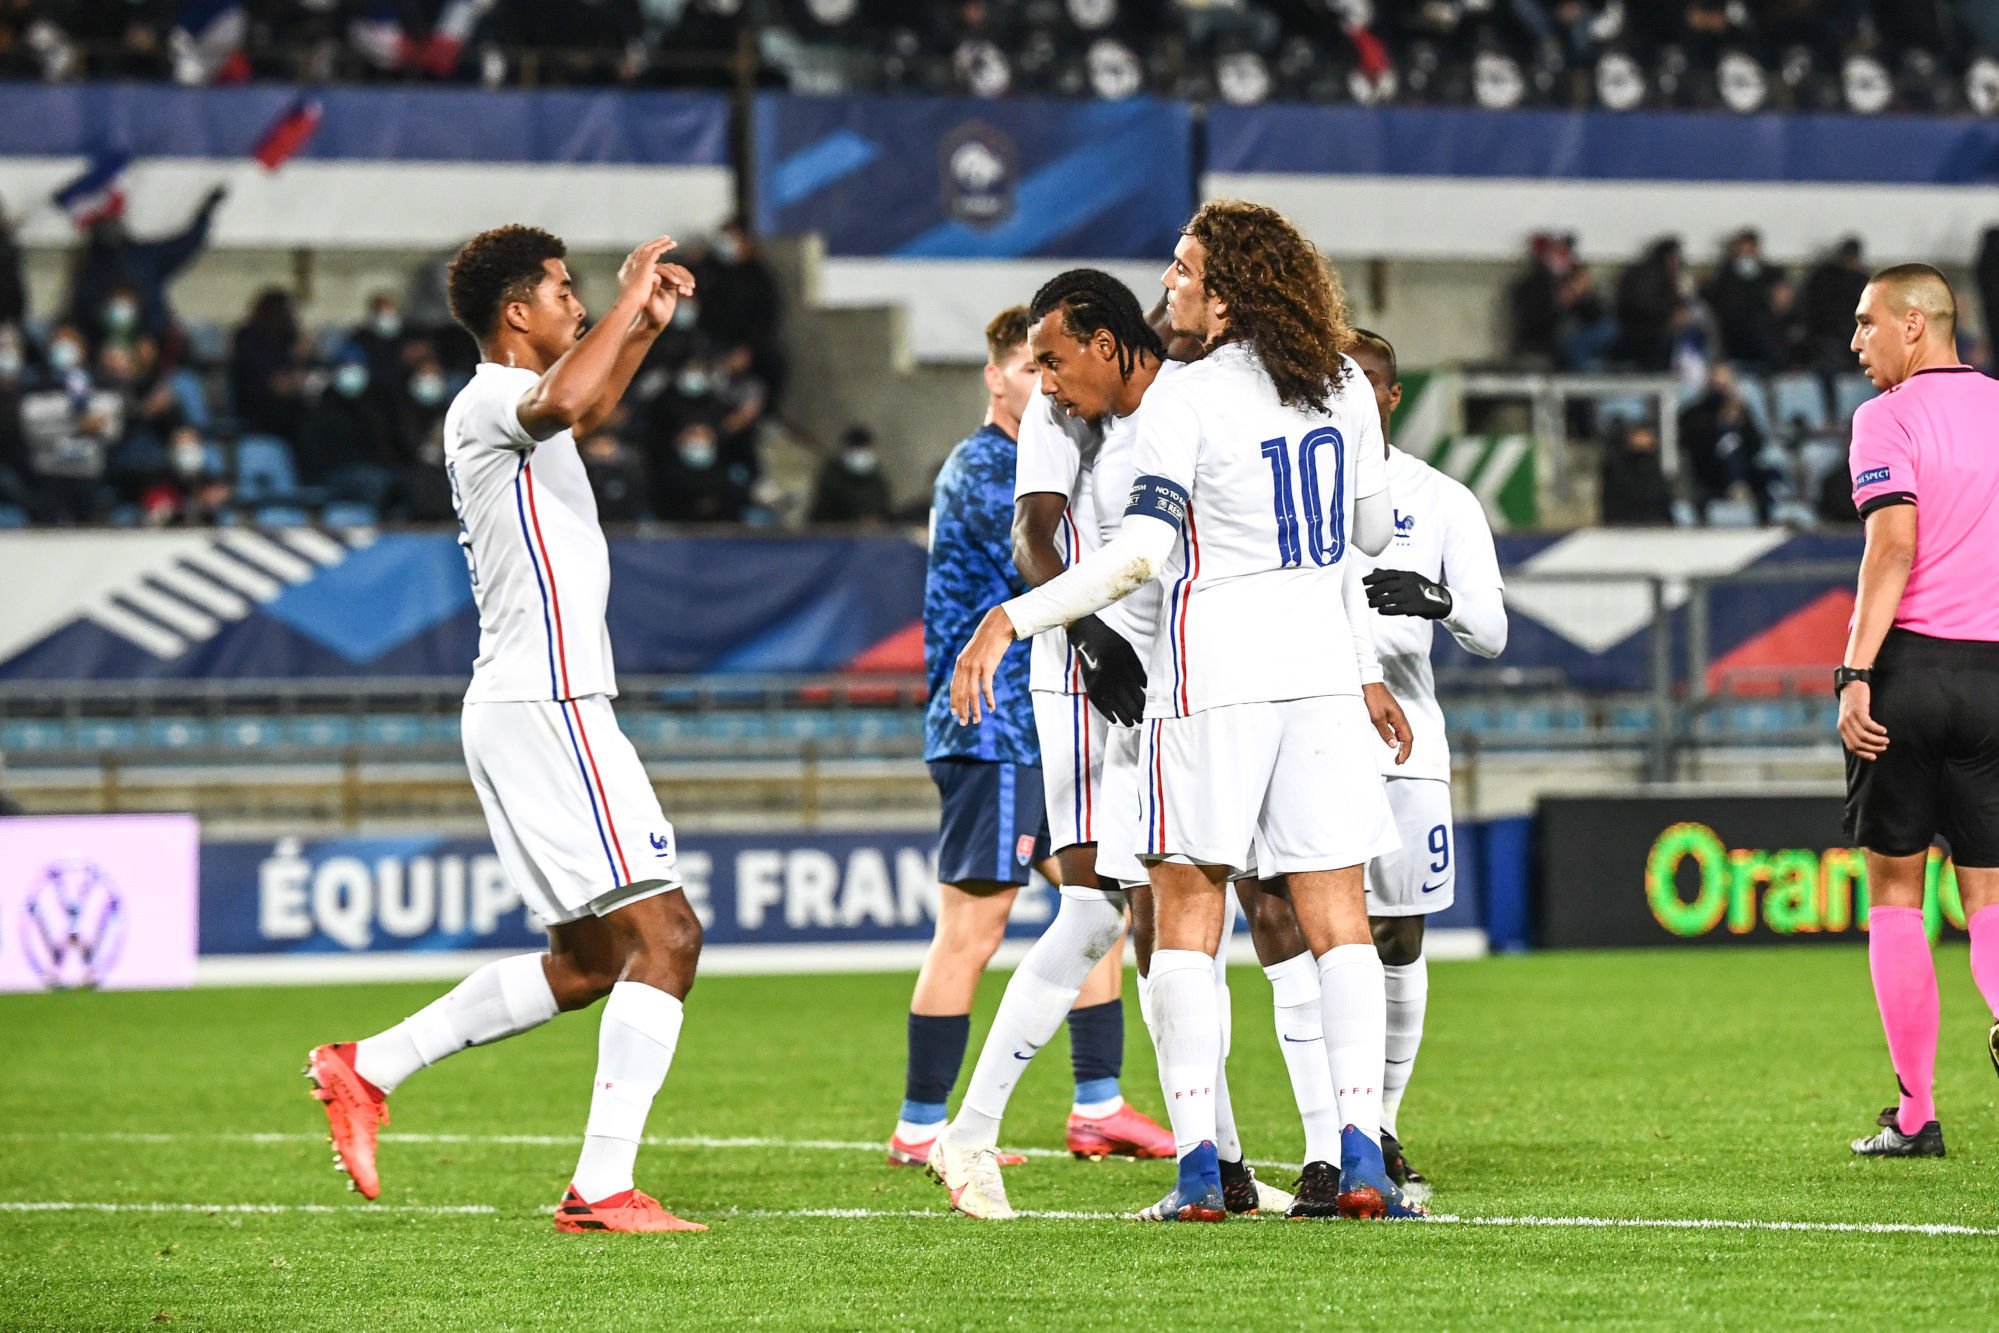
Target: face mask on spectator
[
  {"x": 189, "y": 457},
  {"x": 727, "y": 248},
  {"x": 65, "y": 356},
  {"x": 427, "y": 389},
  {"x": 387, "y": 323},
  {"x": 121, "y": 314},
  {"x": 685, "y": 313},
  {"x": 692, "y": 381},
  {"x": 11, "y": 363},
  {"x": 1747, "y": 266},
  {"x": 350, "y": 379},
  {"x": 860, "y": 462},
  {"x": 697, "y": 453}
]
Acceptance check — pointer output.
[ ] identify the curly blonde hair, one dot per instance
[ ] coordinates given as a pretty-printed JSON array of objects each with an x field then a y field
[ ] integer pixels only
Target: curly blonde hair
[{"x": 1284, "y": 300}]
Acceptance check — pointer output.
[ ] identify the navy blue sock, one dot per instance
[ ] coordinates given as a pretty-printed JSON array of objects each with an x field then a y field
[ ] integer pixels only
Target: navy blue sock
[
  {"x": 936, "y": 1050},
  {"x": 1096, "y": 1050}
]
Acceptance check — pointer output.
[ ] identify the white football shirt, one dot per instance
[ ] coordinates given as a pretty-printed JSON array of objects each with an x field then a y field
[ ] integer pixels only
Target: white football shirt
[
  {"x": 1441, "y": 532},
  {"x": 1263, "y": 496},
  {"x": 1050, "y": 456},
  {"x": 541, "y": 571},
  {"x": 1109, "y": 481}
]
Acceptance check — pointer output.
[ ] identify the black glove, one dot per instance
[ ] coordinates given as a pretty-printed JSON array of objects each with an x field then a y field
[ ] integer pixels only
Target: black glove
[
  {"x": 1113, "y": 676},
  {"x": 1404, "y": 592}
]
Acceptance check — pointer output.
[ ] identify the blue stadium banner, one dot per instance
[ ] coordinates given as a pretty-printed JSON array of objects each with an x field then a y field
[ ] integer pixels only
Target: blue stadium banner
[
  {"x": 962, "y": 178},
  {"x": 301, "y": 603},
  {"x": 388, "y": 894}
]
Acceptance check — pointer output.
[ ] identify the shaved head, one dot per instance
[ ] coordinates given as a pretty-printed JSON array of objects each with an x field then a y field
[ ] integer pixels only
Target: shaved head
[
  {"x": 1921, "y": 288},
  {"x": 1906, "y": 322}
]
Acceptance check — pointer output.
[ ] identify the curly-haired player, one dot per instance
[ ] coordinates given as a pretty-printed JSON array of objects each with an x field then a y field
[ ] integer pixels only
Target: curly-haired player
[
  {"x": 1256, "y": 467},
  {"x": 573, "y": 817}
]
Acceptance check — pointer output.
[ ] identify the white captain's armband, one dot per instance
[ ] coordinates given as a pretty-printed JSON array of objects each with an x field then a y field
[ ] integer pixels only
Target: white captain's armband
[{"x": 1160, "y": 498}]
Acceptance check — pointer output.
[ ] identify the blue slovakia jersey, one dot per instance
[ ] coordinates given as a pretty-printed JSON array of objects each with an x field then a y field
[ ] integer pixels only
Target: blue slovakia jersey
[{"x": 971, "y": 571}]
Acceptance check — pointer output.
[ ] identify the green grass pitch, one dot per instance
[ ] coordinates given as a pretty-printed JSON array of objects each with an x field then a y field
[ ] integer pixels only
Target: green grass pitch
[{"x": 1695, "y": 1085}]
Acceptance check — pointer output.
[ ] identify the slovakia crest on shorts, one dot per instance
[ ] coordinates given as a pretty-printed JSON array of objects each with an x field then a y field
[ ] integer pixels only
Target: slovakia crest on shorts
[
  {"x": 1023, "y": 850},
  {"x": 979, "y": 170}
]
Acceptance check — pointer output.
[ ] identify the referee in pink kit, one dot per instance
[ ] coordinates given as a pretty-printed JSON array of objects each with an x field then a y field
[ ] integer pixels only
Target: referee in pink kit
[{"x": 1919, "y": 688}]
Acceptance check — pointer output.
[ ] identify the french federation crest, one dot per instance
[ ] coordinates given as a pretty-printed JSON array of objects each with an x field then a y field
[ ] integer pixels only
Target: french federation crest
[{"x": 979, "y": 168}]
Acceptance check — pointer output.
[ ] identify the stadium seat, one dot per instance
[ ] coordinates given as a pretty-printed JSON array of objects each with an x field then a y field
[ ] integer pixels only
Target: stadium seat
[
  {"x": 280, "y": 516},
  {"x": 1755, "y": 401},
  {"x": 13, "y": 516},
  {"x": 191, "y": 395},
  {"x": 349, "y": 514},
  {"x": 208, "y": 343},
  {"x": 264, "y": 468},
  {"x": 1848, "y": 393},
  {"x": 1797, "y": 401}
]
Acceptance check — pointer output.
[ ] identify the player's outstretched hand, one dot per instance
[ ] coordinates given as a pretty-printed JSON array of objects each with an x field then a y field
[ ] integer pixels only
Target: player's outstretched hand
[
  {"x": 1113, "y": 676},
  {"x": 1857, "y": 727},
  {"x": 1389, "y": 720},
  {"x": 637, "y": 276},
  {"x": 1404, "y": 592},
  {"x": 972, "y": 680},
  {"x": 671, "y": 282}
]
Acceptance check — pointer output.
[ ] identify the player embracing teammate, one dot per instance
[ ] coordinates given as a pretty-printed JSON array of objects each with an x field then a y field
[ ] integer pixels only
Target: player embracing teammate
[{"x": 1256, "y": 469}]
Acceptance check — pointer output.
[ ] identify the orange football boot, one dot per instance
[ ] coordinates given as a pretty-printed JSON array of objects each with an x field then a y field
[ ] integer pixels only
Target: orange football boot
[
  {"x": 355, "y": 1111},
  {"x": 631, "y": 1210},
  {"x": 901, "y": 1152}
]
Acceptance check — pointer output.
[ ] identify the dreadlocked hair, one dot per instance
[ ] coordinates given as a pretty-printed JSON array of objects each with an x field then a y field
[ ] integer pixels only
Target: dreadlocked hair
[
  {"x": 1091, "y": 300},
  {"x": 1284, "y": 300}
]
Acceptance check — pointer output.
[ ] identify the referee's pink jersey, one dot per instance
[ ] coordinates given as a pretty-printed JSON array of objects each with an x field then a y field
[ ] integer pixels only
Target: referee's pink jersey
[{"x": 1933, "y": 441}]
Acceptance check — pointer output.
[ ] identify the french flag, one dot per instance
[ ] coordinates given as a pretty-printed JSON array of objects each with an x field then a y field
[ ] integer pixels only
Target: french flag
[
  {"x": 99, "y": 193},
  {"x": 289, "y": 133}
]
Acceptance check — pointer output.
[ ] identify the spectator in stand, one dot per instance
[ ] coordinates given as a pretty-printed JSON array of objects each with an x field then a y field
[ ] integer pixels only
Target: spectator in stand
[
  {"x": 1649, "y": 301},
  {"x": 1985, "y": 274},
  {"x": 1835, "y": 498},
  {"x": 186, "y": 492},
  {"x": 111, "y": 258},
  {"x": 1825, "y": 308},
  {"x": 420, "y": 406},
  {"x": 691, "y": 397},
  {"x": 616, "y": 478},
  {"x": 743, "y": 398},
  {"x": 1747, "y": 297},
  {"x": 1534, "y": 301},
  {"x": 384, "y": 344},
  {"x": 850, "y": 487},
  {"x": 741, "y": 306},
  {"x": 346, "y": 442},
  {"x": 1633, "y": 489},
  {"x": 267, "y": 367},
  {"x": 691, "y": 483},
  {"x": 151, "y": 411},
  {"x": 13, "y": 286},
  {"x": 71, "y": 426},
  {"x": 1723, "y": 447},
  {"x": 1588, "y": 333},
  {"x": 14, "y": 466}
]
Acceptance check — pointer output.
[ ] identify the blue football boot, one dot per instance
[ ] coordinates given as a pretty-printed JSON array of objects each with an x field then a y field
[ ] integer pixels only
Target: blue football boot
[
  {"x": 1197, "y": 1197},
  {"x": 1365, "y": 1189}
]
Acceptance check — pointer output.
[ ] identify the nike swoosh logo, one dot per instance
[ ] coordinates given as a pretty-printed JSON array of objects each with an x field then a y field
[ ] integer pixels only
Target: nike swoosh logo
[
  {"x": 1432, "y": 888},
  {"x": 1301, "y": 1041},
  {"x": 1088, "y": 660},
  {"x": 1027, "y": 1054}
]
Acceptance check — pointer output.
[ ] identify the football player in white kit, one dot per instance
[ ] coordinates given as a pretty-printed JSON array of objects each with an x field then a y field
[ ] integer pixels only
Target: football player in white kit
[
  {"x": 1440, "y": 567},
  {"x": 1256, "y": 468},
  {"x": 573, "y": 816}
]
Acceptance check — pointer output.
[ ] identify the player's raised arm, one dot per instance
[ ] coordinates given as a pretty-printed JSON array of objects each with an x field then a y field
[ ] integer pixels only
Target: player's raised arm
[{"x": 573, "y": 391}]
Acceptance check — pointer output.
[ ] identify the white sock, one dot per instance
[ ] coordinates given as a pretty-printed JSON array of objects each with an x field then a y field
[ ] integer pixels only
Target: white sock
[
  {"x": 1354, "y": 1009},
  {"x": 1408, "y": 990},
  {"x": 1301, "y": 1036},
  {"x": 1228, "y": 1142},
  {"x": 1190, "y": 1042},
  {"x": 499, "y": 1000},
  {"x": 1145, "y": 1001},
  {"x": 1088, "y": 924},
  {"x": 634, "y": 1048}
]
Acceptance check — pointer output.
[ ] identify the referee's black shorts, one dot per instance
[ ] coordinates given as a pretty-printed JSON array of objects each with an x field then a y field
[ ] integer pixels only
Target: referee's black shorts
[{"x": 1939, "y": 700}]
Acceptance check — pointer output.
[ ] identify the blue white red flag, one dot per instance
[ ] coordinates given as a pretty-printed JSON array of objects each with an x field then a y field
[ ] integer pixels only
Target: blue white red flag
[
  {"x": 290, "y": 132},
  {"x": 98, "y": 193}
]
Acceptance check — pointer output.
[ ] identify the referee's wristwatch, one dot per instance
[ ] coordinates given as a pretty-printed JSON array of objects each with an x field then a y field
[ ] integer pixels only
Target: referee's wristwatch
[{"x": 1846, "y": 675}]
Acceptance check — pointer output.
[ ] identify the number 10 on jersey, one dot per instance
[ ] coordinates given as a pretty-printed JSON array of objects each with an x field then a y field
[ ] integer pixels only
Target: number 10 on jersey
[{"x": 1325, "y": 533}]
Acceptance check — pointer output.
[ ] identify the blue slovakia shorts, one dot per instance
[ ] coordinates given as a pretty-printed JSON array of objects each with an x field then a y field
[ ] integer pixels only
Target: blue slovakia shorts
[{"x": 994, "y": 826}]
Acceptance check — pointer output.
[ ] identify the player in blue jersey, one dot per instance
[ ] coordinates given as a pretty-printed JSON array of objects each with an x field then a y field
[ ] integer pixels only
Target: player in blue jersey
[{"x": 994, "y": 826}]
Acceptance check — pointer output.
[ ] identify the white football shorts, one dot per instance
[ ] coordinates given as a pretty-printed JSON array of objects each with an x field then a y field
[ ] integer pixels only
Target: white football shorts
[
  {"x": 574, "y": 818},
  {"x": 1121, "y": 809},
  {"x": 1071, "y": 734},
  {"x": 1421, "y": 876},
  {"x": 1275, "y": 787}
]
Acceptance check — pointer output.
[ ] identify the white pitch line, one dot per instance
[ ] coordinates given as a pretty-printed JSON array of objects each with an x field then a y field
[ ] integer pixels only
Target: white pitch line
[{"x": 76, "y": 1206}]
